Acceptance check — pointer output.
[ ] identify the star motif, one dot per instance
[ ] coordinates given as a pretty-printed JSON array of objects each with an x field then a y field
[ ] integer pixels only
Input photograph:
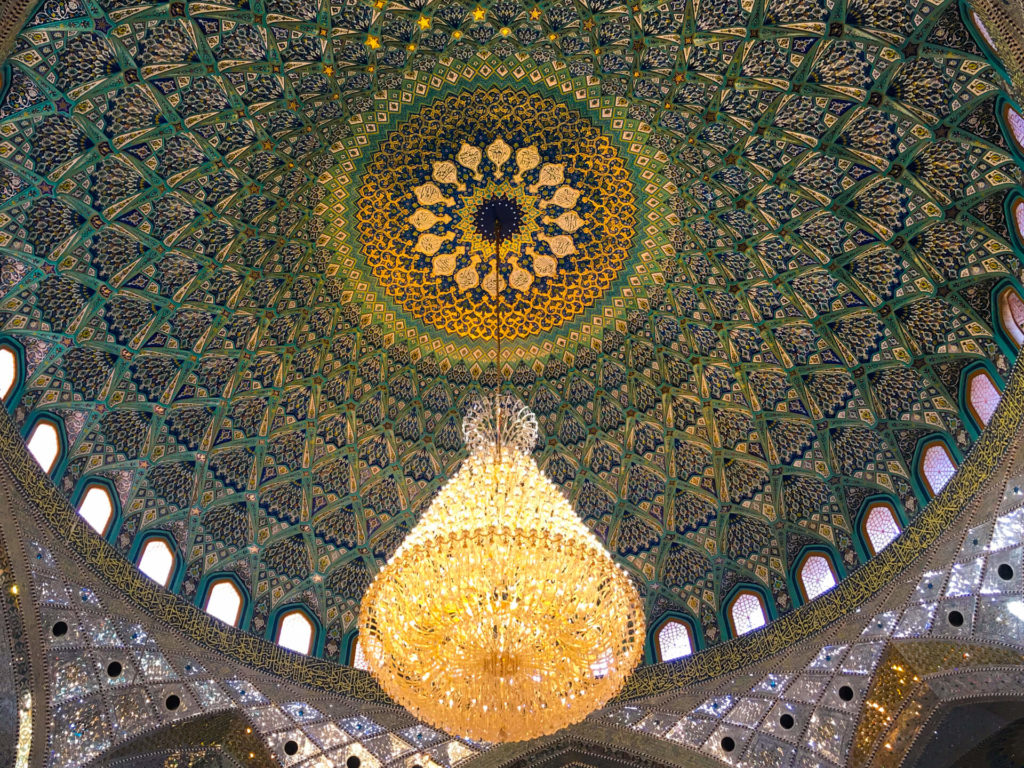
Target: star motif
[
  {"x": 62, "y": 105},
  {"x": 101, "y": 25},
  {"x": 535, "y": 13},
  {"x": 424, "y": 22},
  {"x": 479, "y": 14},
  {"x": 328, "y": 70},
  {"x": 372, "y": 42}
]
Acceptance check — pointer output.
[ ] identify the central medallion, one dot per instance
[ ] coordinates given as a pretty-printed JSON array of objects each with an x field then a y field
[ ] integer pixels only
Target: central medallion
[
  {"x": 482, "y": 166},
  {"x": 498, "y": 218}
]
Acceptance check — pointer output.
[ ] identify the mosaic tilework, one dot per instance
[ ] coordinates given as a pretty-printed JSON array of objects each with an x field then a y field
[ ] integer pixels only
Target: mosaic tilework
[
  {"x": 960, "y": 635},
  {"x": 820, "y": 224},
  {"x": 111, "y": 682},
  {"x": 568, "y": 180}
]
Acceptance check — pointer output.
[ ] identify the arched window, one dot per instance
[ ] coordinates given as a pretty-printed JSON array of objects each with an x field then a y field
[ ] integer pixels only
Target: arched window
[
  {"x": 1016, "y": 122},
  {"x": 44, "y": 444},
  {"x": 1011, "y": 314},
  {"x": 358, "y": 659},
  {"x": 295, "y": 631},
  {"x": 983, "y": 29},
  {"x": 982, "y": 396},
  {"x": 224, "y": 601},
  {"x": 673, "y": 640},
  {"x": 8, "y": 371},
  {"x": 156, "y": 560},
  {"x": 97, "y": 507},
  {"x": 1018, "y": 218},
  {"x": 747, "y": 612},
  {"x": 880, "y": 527},
  {"x": 936, "y": 466},
  {"x": 816, "y": 575}
]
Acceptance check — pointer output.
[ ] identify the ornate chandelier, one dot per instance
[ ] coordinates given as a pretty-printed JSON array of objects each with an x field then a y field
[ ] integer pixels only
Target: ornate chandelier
[{"x": 501, "y": 617}]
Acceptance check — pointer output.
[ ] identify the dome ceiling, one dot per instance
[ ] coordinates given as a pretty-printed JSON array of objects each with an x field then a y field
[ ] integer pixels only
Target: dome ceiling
[{"x": 756, "y": 248}]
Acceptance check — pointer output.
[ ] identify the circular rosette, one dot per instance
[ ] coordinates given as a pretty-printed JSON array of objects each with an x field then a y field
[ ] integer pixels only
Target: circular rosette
[{"x": 497, "y": 166}]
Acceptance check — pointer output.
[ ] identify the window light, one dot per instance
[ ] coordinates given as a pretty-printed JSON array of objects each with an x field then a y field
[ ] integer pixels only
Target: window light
[
  {"x": 44, "y": 444},
  {"x": 1016, "y": 123},
  {"x": 747, "y": 612},
  {"x": 673, "y": 641},
  {"x": 880, "y": 527},
  {"x": 224, "y": 602},
  {"x": 816, "y": 576},
  {"x": 97, "y": 508},
  {"x": 295, "y": 632},
  {"x": 1011, "y": 313},
  {"x": 983, "y": 29},
  {"x": 157, "y": 561},
  {"x": 982, "y": 396},
  {"x": 358, "y": 657},
  {"x": 8, "y": 371},
  {"x": 937, "y": 466}
]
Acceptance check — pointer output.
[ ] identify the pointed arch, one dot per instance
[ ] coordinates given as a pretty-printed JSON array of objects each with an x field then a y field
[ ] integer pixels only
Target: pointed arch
[
  {"x": 46, "y": 442},
  {"x": 158, "y": 559},
  {"x": 815, "y": 574},
  {"x": 1016, "y": 216},
  {"x": 983, "y": 32},
  {"x": 983, "y": 37},
  {"x": 296, "y": 630},
  {"x": 935, "y": 465},
  {"x": 746, "y": 610},
  {"x": 224, "y": 599},
  {"x": 1014, "y": 122},
  {"x": 672, "y": 638},
  {"x": 12, "y": 370},
  {"x": 1009, "y": 312},
  {"x": 98, "y": 505},
  {"x": 356, "y": 657},
  {"x": 880, "y": 524},
  {"x": 981, "y": 394}
]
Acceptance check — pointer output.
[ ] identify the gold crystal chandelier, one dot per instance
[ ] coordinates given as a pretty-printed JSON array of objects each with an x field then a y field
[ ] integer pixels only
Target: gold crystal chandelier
[{"x": 501, "y": 617}]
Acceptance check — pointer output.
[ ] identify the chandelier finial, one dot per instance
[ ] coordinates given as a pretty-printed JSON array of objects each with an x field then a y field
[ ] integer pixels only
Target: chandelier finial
[{"x": 500, "y": 420}]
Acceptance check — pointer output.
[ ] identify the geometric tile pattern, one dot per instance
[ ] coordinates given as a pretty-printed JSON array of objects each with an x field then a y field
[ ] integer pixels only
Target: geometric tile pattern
[
  {"x": 820, "y": 196},
  {"x": 111, "y": 683},
  {"x": 959, "y": 635}
]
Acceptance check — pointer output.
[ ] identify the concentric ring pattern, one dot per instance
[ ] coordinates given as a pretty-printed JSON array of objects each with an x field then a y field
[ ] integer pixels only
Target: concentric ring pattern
[
  {"x": 818, "y": 226},
  {"x": 423, "y": 246}
]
